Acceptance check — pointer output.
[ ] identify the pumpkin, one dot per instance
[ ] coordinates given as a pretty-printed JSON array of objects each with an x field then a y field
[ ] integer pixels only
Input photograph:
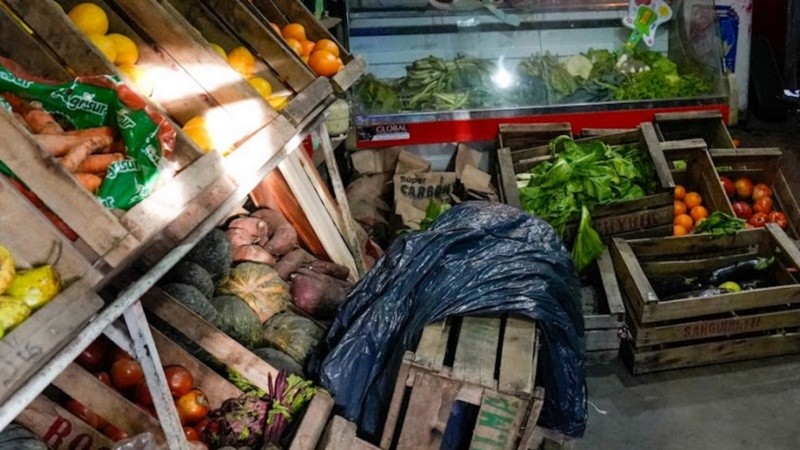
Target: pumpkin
[
  {"x": 280, "y": 361},
  {"x": 292, "y": 334},
  {"x": 193, "y": 274},
  {"x": 193, "y": 299},
  {"x": 213, "y": 253},
  {"x": 238, "y": 321},
  {"x": 259, "y": 286}
]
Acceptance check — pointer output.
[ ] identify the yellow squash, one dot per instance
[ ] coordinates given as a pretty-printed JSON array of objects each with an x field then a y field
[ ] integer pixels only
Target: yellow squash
[
  {"x": 12, "y": 312},
  {"x": 7, "y": 271},
  {"x": 35, "y": 287}
]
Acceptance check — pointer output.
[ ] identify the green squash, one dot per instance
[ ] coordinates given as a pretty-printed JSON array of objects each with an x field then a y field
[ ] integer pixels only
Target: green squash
[
  {"x": 259, "y": 286},
  {"x": 238, "y": 321}
]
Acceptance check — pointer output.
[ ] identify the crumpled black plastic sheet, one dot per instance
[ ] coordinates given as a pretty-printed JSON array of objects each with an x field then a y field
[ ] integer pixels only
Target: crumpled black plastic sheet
[{"x": 479, "y": 259}]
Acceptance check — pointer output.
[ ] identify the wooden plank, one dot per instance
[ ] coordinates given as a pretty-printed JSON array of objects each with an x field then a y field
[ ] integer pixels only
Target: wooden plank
[
  {"x": 703, "y": 329},
  {"x": 697, "y": 244},
  {"x": 393, "y": 413},
  {"x": 787, "y": 202},
  {"x": 533, "y": 417},
  {"x": 428, "y": 412},
  {"x": 347, "y": 77},
  {"x": 312, "y": 425},
  {"x": 683, "y": 144},
  {"x": 499, "y": 419},
  {"x": 651, "y": 143},
  {"x": 785, "y": 244},
  {"x": 59, "y": 429},
  {"x": 215, "y": 342},
  {"x": 216, "y": 388},
  {"x": 27, "y": 51},
  {"x": 634, "y": 205},
  {"x": 634, "y": 281},
  {"x": 696, "y": 307},
  {"x": 602, "y": 340},
  {"x": 518, "y": 136},
  {"x": 516, "y": 360},
  {"x": 595, "y": 132},
  {"x": 107, "y": 402},
  {"x": 714, "y": 352},
  {"x": 690, "y": 267},
  {"x": 268, "y": 12},
  {"x": 508, "y": 179},
  {"x": 608, "y": 279},
  {"x": 476, "y": 351},
  {"x": 428, "y": 346},
  {"x": 687, "y": 115}
]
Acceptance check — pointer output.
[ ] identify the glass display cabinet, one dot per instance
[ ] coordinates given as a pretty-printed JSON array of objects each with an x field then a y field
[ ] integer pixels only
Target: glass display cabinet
[{"x": 443, "y": 71}]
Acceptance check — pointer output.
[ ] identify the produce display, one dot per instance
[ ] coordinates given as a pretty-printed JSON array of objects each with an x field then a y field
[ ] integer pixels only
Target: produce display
[
  {"x": 22, "y": 292},
  {"x": 593, "y": 76},
  {"x": 118, "y": 370},
  {"x": 322, "y": 56},
  {"x": 246, "y": 280},
  {"x": 753, "y": 202}
]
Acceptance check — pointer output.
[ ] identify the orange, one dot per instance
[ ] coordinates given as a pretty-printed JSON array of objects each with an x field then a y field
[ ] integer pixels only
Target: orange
[
  {"x": 328, "y": 46},
  {"x": 307, "y": 48},
  {"x": 698, "y": 212},
  {"x": 89, "y": 18},
  {"x": 692, "y": 199},
  {"x": 127, "y": 51},
  {"x": 197, "y": 130},
  {"x": 142, "y": 82},
  {"x": 295, "y": 45},
  {"x": 261, "y": 86},
  {"x": 323, "y": 63},
  {"x": 294, "y": 31},
  {"x": 340, "y": 64},
  {"x": 219, "y": 50},
  {"x": 242, "y": 61},
  {"x": 684, "y": 220},
  {"x": 105, "y": 45},
  {"x": 680, "y": 192},
  {"x": 304, "y": 58},
  {"x": 679, "y": 230},
  {"x": 678, "y": 208}
]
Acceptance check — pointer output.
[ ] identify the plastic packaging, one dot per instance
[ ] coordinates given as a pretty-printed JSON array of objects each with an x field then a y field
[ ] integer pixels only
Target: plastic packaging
[{"x": 478, "y": 259}]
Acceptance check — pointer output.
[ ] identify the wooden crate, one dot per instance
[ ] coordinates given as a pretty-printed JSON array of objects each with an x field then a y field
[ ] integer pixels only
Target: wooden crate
[
  {"x": 603, "y": 311},
  {"x": 699, "y": 174},
  {"x": 706, "y": 125},
  {"x": 283, "y": 12},
  {"x": 650, "y": 214},
  {"x": 340, "y": 434},
  {"x": 59, "y": 429},
  {"x": 518, "y": 136},
  {"x": 455, "y": 361},
  {"x": 762, "y": 165},
  {"x": 33, "y": 241},
  {"x": 113, "y": 239},
  {"x": 720, "y": 328}
]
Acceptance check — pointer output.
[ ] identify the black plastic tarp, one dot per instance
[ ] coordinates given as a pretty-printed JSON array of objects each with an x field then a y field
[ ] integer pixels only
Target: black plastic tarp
[{"x": 479, "y": 259}]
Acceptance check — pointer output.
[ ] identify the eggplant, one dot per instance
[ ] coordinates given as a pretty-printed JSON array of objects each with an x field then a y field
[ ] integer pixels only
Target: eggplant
[
  {"x": 698, "y": 293},
  {"x": 670, "y": 285},
  {"x": 758, "y": 283},
  {"x": 740, "y": 272}
]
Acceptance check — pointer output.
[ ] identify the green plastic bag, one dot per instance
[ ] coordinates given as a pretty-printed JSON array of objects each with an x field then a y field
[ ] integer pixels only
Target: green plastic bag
[{"x": 97, "y": 101}]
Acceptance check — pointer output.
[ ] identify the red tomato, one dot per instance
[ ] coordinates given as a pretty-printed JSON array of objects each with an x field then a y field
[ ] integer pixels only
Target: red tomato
[
  {"x": 744, "y": 187},
  {"x": 758, "y": 220},
  {"x": 126, "y": 373},
  {"x": 104, "y": 377},
  {"x": 94, "y": 357},
  {"x": 778, "y": 218},
  {"x": 761, "y": 190},
  {"x": 142, "y": 394},
  {"x": 114, "y": 433},
  {"x": 742, "y": 210},
  {"x": 191, "y": 434},
  {"x": 192, "y": 406},
  {"x": 727, "y": 186},
  {"x": 764, "y": 205},
  {"x": 118, "y": 353},
  {"x": 179, "y": 380},
  {"x": 80, "y": 411},
  {"x": 201, "y": 425}
]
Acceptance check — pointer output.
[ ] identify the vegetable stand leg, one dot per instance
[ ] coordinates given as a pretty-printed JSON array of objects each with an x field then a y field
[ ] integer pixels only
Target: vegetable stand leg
[
  {"x": 350, "y": 231},
  {"x": 144, "y": 349}
]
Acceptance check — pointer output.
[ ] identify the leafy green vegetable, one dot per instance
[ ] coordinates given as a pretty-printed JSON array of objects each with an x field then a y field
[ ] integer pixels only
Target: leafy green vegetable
[
  {"x": 719, "y": 223},
  {"x": 243, "y": 384},
  {"x": 377, "y": 96},
  {"x": 432, "y": 212},
  {"x": 588, "y": 245}
]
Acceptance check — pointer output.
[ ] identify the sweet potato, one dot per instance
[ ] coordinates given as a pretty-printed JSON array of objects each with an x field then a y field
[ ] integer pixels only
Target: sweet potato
[
  {"x": 330, "y": 268},
  {"x": 316, "y": 296},
  {"x": 41, "y": 122},
  {"x": 76, "y": 155},
  {"x": 293, "y": 261},
  {"x": 254, "y": 227},
  {"x": 98, "y": 164},
  {"x": 282, "y": 235},
  {"x": 252, "y": 253},
  {"x": 346, "y": 285}
]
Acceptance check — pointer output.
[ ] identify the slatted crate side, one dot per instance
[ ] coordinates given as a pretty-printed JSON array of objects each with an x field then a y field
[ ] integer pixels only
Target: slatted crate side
[
  {"x": 33, "y": 241},
  {"x": 605, "y": 317},
  {"x": 762, "y": 165},
  {"x": 697, "y": 255},
  {"x": 282, "y": 12},
  {"x": 518, "y": 136},
  {"x": 652, "y": 212},
  {"x": 58, "y": 429},
  {"x": 706, "y": 125},
  {"x": 699, "y": 175}
]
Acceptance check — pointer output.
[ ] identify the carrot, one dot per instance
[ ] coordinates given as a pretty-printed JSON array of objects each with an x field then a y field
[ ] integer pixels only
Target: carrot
[
  {"x": 89, "y": 181},
  {"x": 41, "y": 122},
  {"x": 76, "y": 155},
  {"x": 99, "y": 163},
  {"x": 93, "y": 132}
]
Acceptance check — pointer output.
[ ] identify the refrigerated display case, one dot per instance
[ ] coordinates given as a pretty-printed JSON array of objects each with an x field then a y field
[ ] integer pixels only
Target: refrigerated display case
[{"x": 452, "y": 71}]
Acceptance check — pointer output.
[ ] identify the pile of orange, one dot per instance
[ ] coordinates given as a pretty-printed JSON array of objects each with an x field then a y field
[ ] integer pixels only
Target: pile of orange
[
  {"x": 688, "y": 211},
  {"x": 321, "y": 56}
]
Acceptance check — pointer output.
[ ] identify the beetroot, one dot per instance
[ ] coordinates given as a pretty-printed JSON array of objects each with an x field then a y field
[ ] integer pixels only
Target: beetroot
[
  {"x": 293, "y": 261},
  {"x": 317, "y": 294},
  {"x": 238, "y": 422}
]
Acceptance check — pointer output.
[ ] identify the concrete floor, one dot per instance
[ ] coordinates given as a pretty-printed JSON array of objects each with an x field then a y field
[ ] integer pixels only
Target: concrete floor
[{"x": 738, "y": 406}]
